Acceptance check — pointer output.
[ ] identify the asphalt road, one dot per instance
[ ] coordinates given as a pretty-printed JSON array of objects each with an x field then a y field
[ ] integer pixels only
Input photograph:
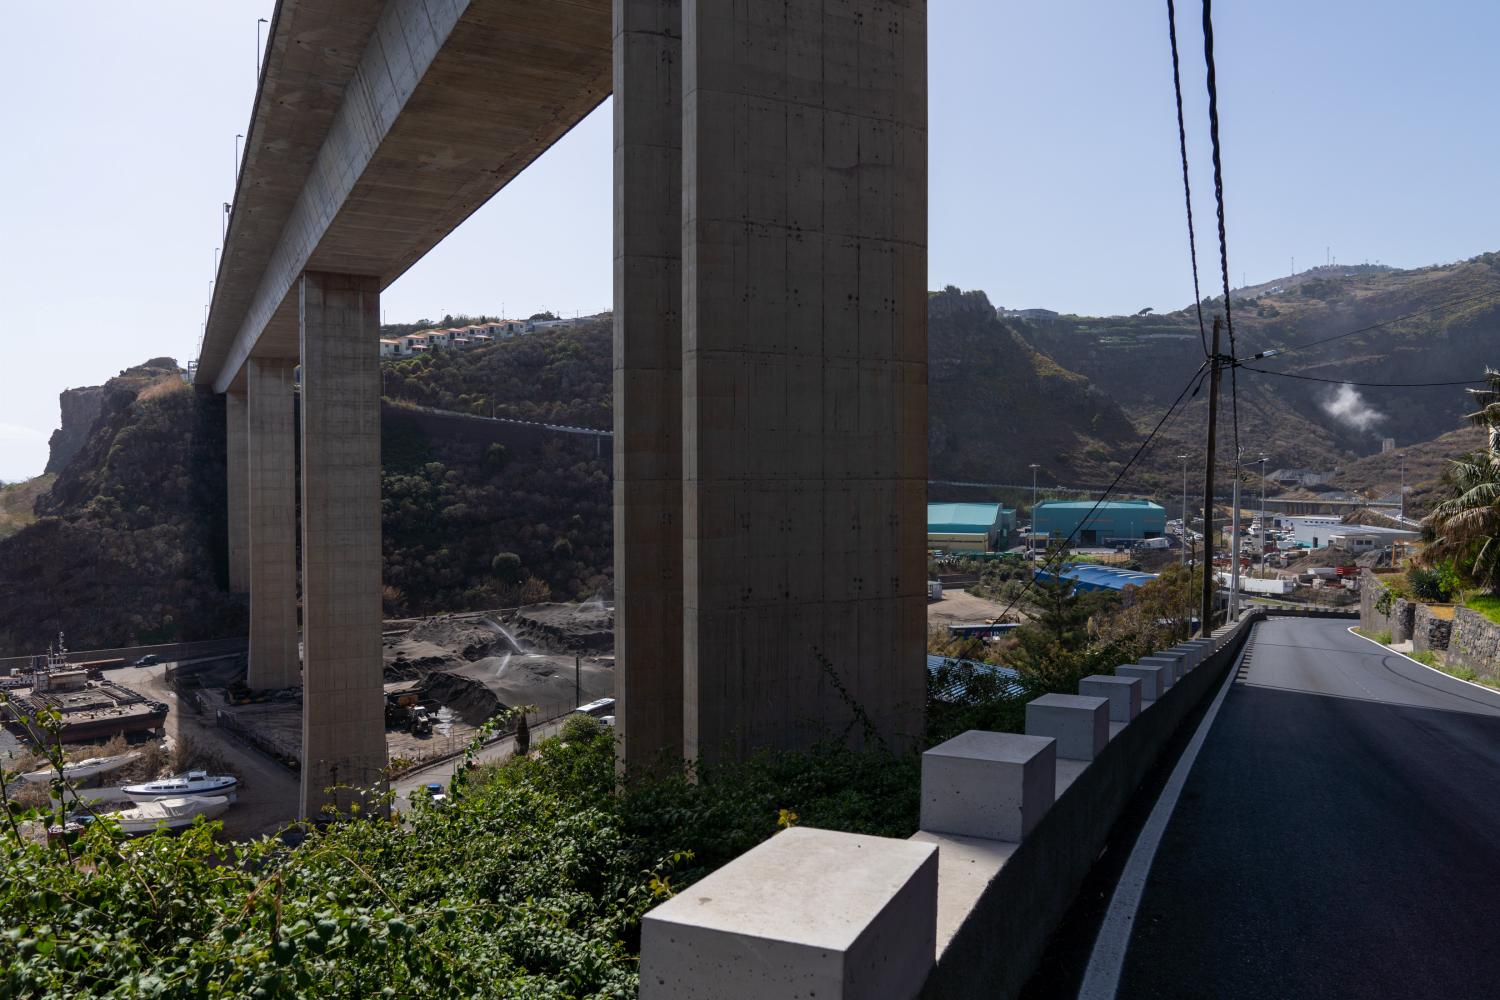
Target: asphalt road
[{"x": 1338, "y": 835}]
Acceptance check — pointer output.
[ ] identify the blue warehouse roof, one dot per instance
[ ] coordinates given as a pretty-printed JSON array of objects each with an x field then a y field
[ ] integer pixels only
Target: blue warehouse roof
[
  {"x": 1090, "y": 576},
  {"x": 963, "y": 518},
  {"x": 957, "y": 688}
]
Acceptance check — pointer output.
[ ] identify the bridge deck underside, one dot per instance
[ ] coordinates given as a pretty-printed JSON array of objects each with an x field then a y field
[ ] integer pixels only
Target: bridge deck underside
[{"x": 448, "y": 103}]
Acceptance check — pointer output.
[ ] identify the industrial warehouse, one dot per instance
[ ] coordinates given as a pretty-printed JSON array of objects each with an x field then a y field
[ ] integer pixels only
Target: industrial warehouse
[{"x": 1091, "y": 524}]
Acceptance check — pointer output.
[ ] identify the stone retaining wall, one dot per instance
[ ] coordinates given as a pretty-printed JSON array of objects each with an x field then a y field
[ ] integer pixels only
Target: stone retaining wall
[
  {"x": 1432, "y": 625},
  {"x": 1475, "y": 643},
  {"x": 1399, "y": 621}
]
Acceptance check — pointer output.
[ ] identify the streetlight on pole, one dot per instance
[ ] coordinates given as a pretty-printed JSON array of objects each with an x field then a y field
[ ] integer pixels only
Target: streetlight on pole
[
  {"x": 1234, "y": 543},
  {"x": 258, "y": 23},
  {"x": 1403, "y": 486},
  {"x": 237, "y": 137},
  {"x": 1031, "y": 535},
  {"x": 1263, "y": 515},
  {"x": 1186, "y": 531}
]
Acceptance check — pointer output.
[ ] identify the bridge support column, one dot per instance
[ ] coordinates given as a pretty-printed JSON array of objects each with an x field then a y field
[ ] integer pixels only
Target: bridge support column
[
  {"x": 343, "y": 705},
  {"x": 804, "y": 367},
  {"x": 273, "y": 525},
  {"x": 237, "y": 492},
  {"x": 648, "y": 378}
]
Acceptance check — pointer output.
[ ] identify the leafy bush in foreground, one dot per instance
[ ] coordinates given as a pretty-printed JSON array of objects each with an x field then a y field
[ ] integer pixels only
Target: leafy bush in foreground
[{"x": 530, "y": 882}]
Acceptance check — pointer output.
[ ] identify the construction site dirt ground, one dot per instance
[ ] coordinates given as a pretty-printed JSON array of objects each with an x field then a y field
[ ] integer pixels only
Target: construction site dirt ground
[
  {"x": 550, "y": 658},
  {"x": 959, "y": 607}
]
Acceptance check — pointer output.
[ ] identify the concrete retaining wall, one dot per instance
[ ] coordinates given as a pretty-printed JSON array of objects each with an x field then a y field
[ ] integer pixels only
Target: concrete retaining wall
[
  {"x": 167, "y": 651},
  {"x": 1475, "y": 643}
]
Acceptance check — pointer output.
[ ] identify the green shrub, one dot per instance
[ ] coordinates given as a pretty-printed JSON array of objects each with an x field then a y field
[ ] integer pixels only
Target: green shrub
[
  {"x": 530, "y": 883},
  {"x": 1438, "y": 583},
  {"x": 1486, "y": 604}
]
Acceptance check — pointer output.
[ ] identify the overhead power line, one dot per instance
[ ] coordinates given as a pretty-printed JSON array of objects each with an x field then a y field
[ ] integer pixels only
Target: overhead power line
[
  {"x": 1187, "y": 189},
  {"x": 1283, "y": 352},
  {"x": 1213, "y": 135},
  {"x": 1139, "y": 451},
  {"x": 1370, "y": 385}
]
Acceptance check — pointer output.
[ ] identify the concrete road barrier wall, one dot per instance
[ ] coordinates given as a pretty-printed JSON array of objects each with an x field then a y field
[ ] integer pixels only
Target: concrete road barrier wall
[
  {"x": 167, "y": 651},
  {"x": 993, "y": 947},
  {"x": 1014, "y": 821}
]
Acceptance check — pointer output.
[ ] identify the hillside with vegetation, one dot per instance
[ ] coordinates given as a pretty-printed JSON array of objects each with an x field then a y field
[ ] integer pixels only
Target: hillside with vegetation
[
  {"x": 1430, "y": 324},
  {"x": 127, "y": 543},
  {"x": 563, "y": 375},
  {"x": 995, "y": 404}
]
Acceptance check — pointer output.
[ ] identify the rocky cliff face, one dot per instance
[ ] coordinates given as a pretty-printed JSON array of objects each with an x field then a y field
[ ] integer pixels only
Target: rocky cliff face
[
  {"x": 80, "y": 408},
  {"x": 995, "y": 404}
]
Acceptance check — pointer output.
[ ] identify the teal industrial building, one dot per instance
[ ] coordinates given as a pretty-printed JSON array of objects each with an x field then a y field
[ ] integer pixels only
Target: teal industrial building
[
  {"x": 1112, "y": 521},
  {"x": 969, "y": 527}
]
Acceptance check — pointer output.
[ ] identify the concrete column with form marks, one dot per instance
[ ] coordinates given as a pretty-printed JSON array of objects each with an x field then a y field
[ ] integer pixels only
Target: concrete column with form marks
[
  {"x": 272, "y": 441},
  {"x": 343, "y": 710},
  {"x": 804, "y": 366},
  {"x": 648, "y": 378},
  {"x": 236, "y": 467}
]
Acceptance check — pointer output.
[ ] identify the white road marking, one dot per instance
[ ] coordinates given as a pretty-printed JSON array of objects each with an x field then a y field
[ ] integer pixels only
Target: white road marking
[
  {"x": 1485, "y": 688},
  {"x": 1101, "y": 981}
]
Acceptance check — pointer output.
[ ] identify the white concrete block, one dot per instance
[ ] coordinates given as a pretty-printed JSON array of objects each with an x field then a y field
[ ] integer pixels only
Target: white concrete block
[
  {"x": 1175, "y": 662},
  {"x": 994, "y": 785},
  {"x": 1192, "y": 653},
  {"x": 808, "y": 913},
  {"x": 1155, "y": 678},
  {"x": 1124, "y": 694},
  {"x": 1079, "y": 723}
]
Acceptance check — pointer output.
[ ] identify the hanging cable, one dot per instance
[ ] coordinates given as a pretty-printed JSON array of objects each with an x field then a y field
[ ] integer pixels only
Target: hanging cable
[
  {"x": 1213, "y": 134},
  {"x": 1368, "y": 385},
  {"x": 1187, "y": 189},
  {"x": 1139, "y": 451},
  {"x": 1282, "y": 352}
]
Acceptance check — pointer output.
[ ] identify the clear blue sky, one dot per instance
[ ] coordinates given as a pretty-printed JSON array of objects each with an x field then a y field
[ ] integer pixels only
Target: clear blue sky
[{"x": 1367, "y": 127}]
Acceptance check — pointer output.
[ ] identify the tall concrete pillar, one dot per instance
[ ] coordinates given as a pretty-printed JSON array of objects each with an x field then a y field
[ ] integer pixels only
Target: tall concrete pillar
[
  {"x": 273, "y": 524},
  {"x": 343, "y": 707},
  {"x": 236, "y": 468},
  {"x": 648, "y": 378},
  {"x": 804, "y": 346}
]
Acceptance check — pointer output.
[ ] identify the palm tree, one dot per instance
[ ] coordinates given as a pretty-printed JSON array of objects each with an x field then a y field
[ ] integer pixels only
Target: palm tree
[
  {"x": 1466, "y": 526},
  {"x": 1488, "y": 414}
]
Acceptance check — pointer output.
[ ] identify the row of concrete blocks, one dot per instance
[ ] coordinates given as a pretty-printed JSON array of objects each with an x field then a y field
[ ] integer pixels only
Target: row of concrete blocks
[{"x": 842, "y": 916}]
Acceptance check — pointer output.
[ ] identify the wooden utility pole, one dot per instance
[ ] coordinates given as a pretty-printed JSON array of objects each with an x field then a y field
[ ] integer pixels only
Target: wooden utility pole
[{"x": 1206, "y": 620}]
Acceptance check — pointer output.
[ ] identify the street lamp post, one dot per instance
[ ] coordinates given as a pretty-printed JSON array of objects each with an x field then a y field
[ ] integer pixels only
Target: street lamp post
[
  {"x": 1186, "y": 532},
  {"x": 258, "y": 23},
  {"x": 1031, "y": 535},
  {"x": 1403, "y": 487},
  {"x": 1262, "y": 515},
  {"x": 1234, "y": 546},
  {"x": 237, "y": 137}
]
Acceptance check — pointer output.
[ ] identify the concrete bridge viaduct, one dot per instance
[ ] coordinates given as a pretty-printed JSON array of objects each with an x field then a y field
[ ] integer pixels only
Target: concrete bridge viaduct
[{"x": 770, "y": 165}]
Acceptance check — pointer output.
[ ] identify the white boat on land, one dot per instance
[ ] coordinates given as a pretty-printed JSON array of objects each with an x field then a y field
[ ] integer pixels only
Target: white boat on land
[
  {"x": 192, "y": 783},
  {"x": 80, "y": 769},
  {"x": 169, "y": 814}
]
